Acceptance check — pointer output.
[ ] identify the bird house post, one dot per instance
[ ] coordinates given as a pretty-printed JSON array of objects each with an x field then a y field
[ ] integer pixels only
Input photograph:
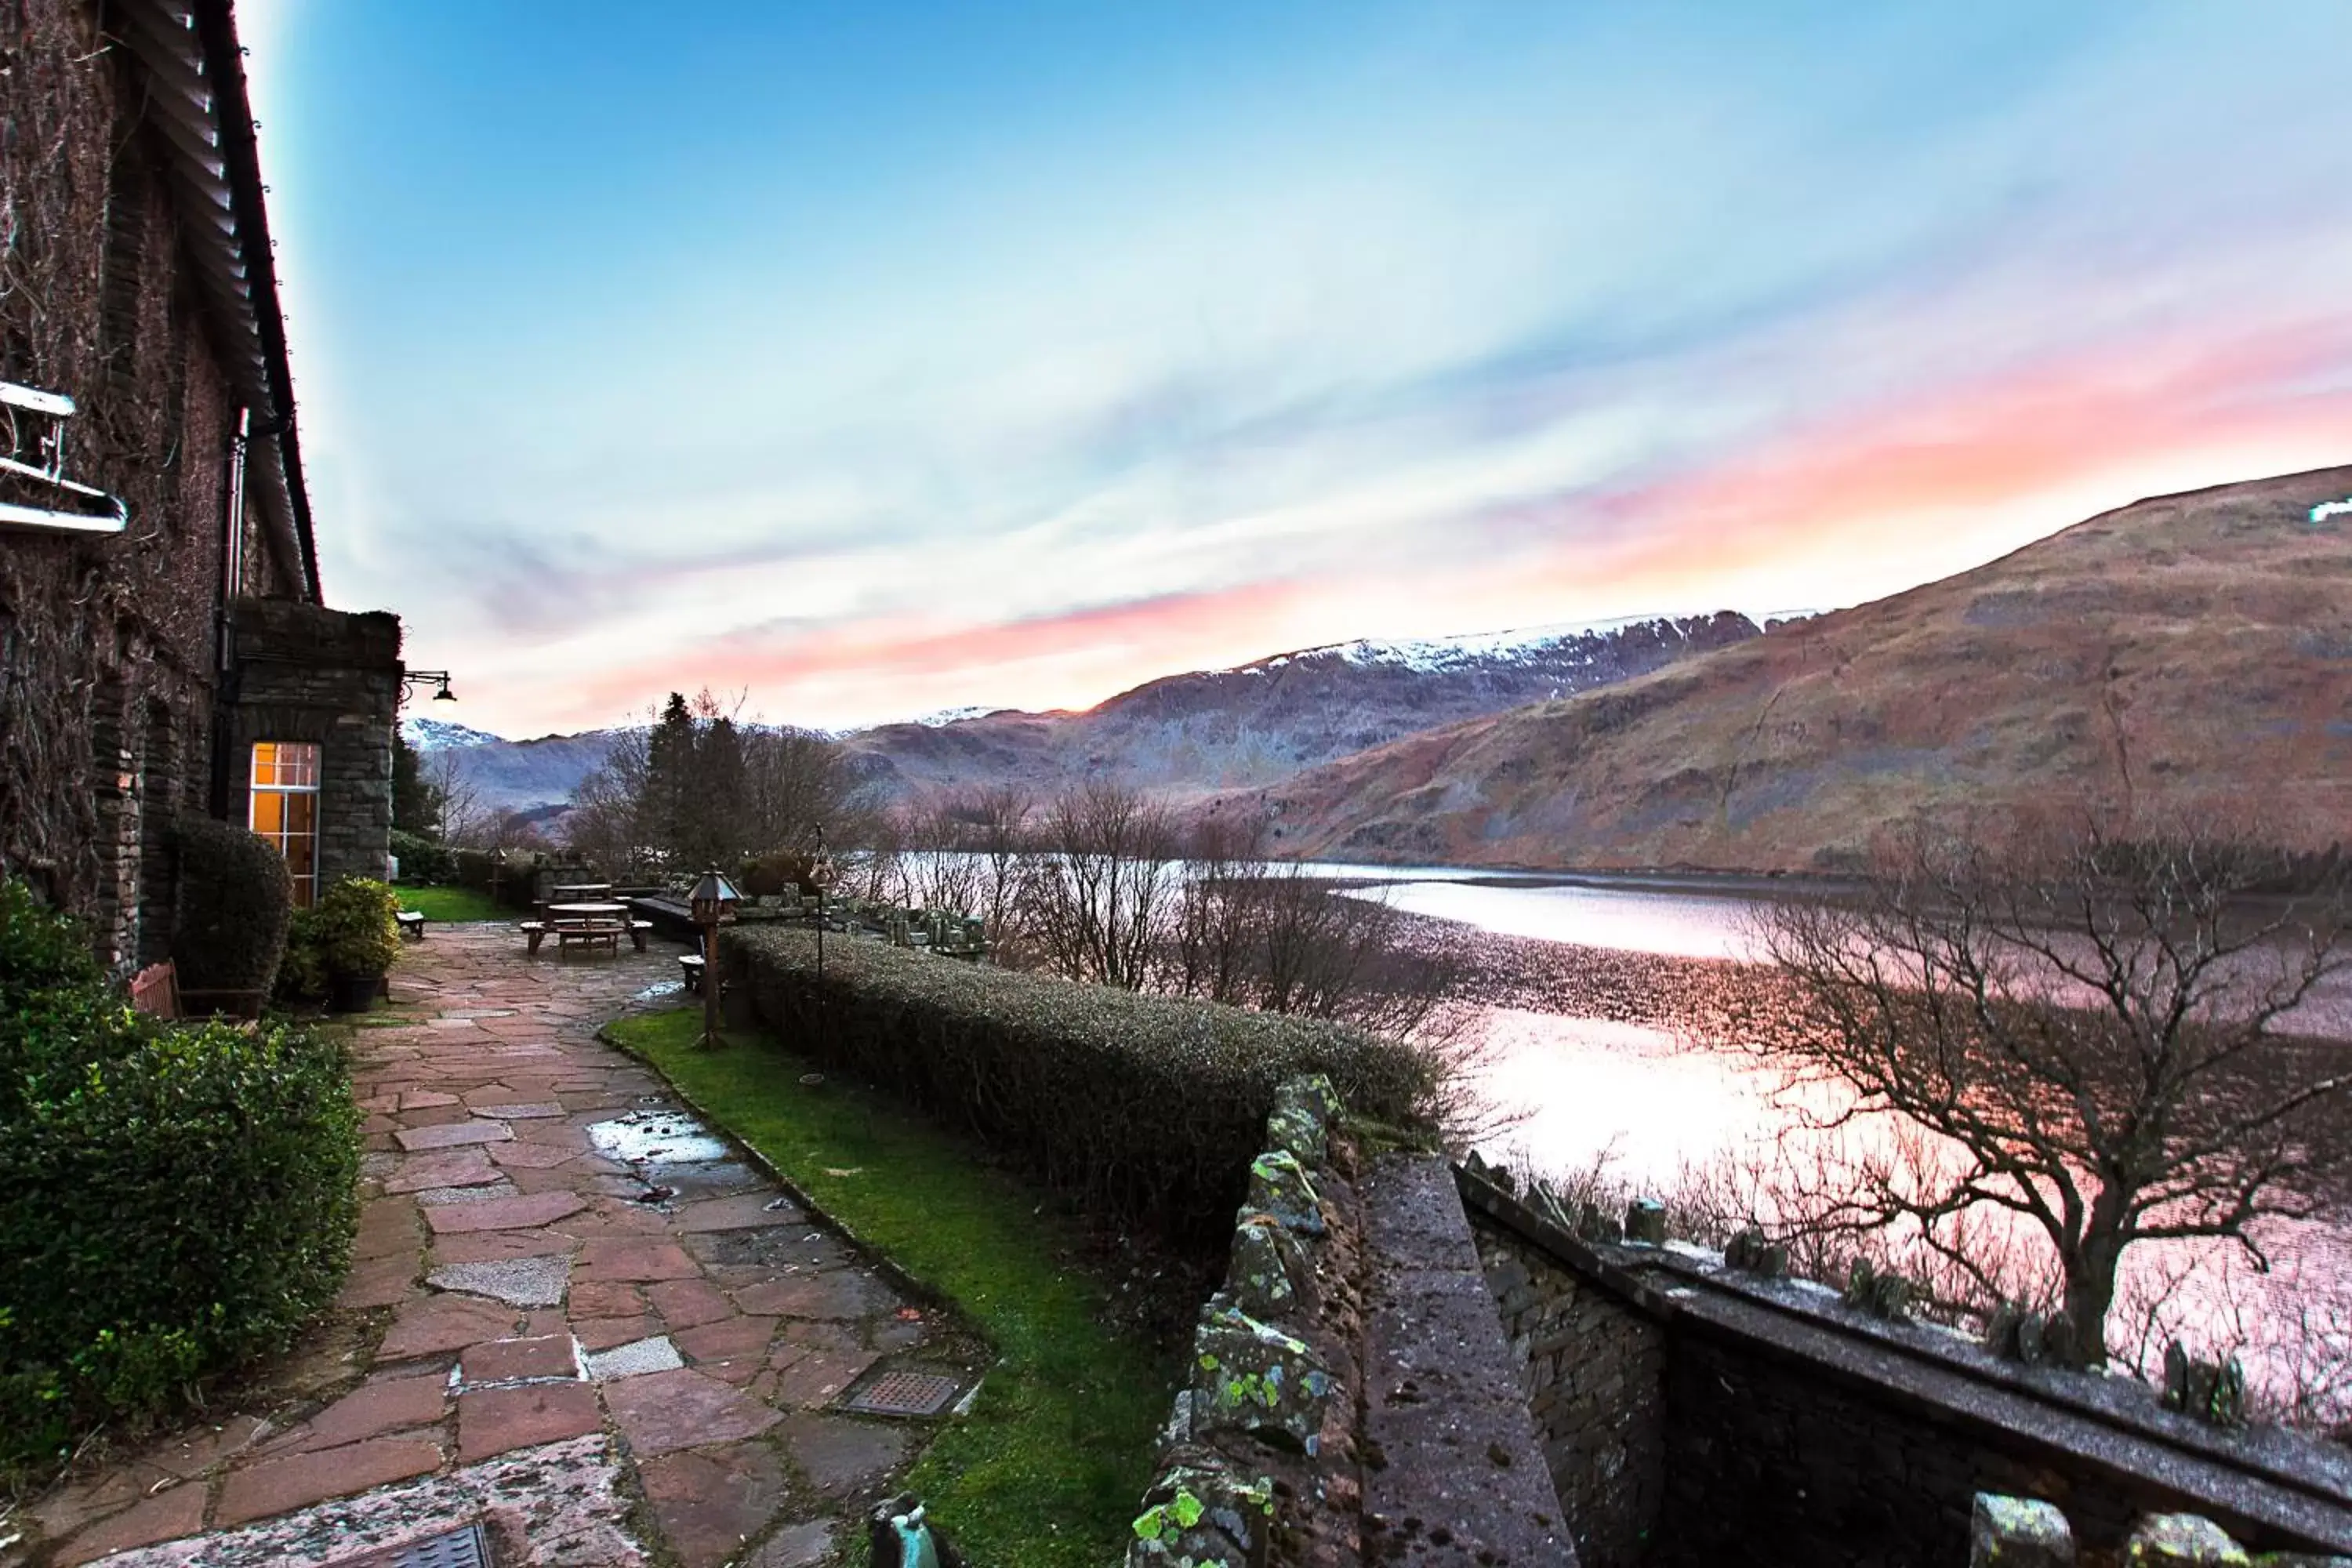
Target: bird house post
[{"x": 712, "y": 897}]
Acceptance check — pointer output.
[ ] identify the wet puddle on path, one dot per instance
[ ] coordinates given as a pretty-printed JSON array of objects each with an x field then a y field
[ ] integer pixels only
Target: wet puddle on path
[{"x": 657, "y": 1137}]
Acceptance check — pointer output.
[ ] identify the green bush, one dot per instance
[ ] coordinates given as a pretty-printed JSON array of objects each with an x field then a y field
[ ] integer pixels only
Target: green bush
[
  {"x": 784, "y": 871},
  {"x": 512, "y": 881},
  {"x": 174, "y": 1200},
  {"x": 302, "y": 973},
  {"x": 230, "y": 914},
  {"x": 356, "y": 927},
  {"x": 423, "y": 860},
  {"x": 1149, "y": 1108}
]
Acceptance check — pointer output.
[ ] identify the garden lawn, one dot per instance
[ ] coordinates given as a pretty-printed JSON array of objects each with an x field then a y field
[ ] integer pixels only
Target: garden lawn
[
  {"x": 452, "y": 904},
  {"x": 1050, "y": 1466}
]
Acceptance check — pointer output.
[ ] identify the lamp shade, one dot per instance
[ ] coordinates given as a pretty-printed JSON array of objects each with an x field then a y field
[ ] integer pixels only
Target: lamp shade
[{"x": 712, "y": 897}]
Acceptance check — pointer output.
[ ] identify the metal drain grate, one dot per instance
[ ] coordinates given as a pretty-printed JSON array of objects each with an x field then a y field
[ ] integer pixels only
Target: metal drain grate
[
  {"x": 467, "y": 1547},
  {"x": 903, "y": 1394}
]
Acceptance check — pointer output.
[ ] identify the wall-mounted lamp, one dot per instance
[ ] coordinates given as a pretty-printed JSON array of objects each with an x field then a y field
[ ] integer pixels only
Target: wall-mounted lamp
[{"x": 440, "y": 677}]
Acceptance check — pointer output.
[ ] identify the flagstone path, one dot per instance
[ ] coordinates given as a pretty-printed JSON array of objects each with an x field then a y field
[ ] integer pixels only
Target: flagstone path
[{"x": 612, "y": 1363}]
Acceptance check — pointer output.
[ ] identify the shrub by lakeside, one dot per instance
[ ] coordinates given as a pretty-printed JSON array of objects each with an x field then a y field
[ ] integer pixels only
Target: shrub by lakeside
[{"x": 175, "y": 1200}]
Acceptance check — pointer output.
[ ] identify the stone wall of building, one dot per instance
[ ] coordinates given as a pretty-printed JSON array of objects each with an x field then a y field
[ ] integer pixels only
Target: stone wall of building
[
  {"x": 108, "y": 650},
  {"x": 1695, "y": 1412},
  {"x": 304, "y": 673}
]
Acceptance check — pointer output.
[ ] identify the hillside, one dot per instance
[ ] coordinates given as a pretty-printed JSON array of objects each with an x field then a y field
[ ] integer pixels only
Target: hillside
[
  {"x": 2195, "y": 650},
  {"x": 513, "y": 775},
  {"x": 1261, "y": 722},
  {"x": 1184, "y": 734}
]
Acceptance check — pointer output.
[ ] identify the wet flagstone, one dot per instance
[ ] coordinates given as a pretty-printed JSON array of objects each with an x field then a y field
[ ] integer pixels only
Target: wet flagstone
[{"x": 677, "y": 1331}]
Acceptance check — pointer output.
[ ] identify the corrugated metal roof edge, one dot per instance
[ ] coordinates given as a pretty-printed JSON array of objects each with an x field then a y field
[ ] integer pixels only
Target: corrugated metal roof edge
[
  {"x": 224, "y": 65},
  {"x": 234, "y": 256}
]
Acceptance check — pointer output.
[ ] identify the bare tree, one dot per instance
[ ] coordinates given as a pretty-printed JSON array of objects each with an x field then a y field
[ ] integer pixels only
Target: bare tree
[
  {"x": 1102, "y": 877},
  {"x": 462, "y": 819},
  {"x": 610, "y": 821},
  {"x": 2096, "y": 1032},
  {"x": 796, "y": 785}
]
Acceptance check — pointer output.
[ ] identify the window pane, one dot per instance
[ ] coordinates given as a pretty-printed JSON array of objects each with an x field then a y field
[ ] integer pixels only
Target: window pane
[
  {"x": 283, "y": 807},
  {"x": 302, "y": 857}
]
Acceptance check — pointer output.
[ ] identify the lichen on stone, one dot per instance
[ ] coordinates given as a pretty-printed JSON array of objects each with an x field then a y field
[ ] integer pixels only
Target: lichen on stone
[
  {"x": 1280, "y": 1185},
  {"x": 1253, "y": 1377}
]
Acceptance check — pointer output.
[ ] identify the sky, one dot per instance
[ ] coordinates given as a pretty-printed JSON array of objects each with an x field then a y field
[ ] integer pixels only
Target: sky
[{"x": 865, "y": 361}]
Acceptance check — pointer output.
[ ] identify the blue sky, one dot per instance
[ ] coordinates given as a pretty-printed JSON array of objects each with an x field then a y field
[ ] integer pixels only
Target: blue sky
[{"x": 873, "y": 360}]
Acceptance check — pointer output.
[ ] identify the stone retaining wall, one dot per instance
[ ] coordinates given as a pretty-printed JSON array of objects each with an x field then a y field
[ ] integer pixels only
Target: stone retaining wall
[
  {"x": 1594, "y": 1378},
  {"x": 1695, "y": 1413},
  {"x": 1351, "y": 1398}
]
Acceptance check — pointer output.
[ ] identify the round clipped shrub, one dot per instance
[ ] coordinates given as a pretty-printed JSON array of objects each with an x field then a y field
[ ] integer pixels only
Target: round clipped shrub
[
  {"x": 182, "y": 1198},
  {"x": 230, "y": 912},
  {"x": 358, "y": 926}
]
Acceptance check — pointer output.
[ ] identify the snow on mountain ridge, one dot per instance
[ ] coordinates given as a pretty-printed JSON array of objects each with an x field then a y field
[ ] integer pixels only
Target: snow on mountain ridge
[
  {"x": 1429, "y": 656},
  {"x": 437, "y": 734}
]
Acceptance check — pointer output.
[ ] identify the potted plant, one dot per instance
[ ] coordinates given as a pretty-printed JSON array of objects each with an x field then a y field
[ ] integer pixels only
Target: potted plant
[{"x": 357, "y": 938}]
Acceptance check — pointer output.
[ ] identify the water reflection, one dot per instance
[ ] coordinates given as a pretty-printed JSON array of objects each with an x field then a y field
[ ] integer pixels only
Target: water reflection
[
  {"x": 1664, "y": 1093},
  {"x": 1677, "y": 925}
]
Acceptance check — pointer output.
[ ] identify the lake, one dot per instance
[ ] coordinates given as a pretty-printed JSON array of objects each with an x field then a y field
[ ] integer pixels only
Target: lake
[{"x": 1658, "y": 1096}]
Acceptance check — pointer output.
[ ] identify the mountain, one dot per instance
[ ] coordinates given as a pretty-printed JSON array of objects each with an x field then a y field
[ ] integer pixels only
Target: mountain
[
  {"x": 1192, "y": 734},
  {"x": 440, "y": 735},
  {"x": 2190, "y": 651},
  {"x": 1186, "y": 734},
  {"x": 513, "y": 775}
]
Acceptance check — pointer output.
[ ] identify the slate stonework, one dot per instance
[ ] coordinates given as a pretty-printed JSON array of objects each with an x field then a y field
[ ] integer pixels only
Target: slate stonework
[{"x": 306, "y": 673}]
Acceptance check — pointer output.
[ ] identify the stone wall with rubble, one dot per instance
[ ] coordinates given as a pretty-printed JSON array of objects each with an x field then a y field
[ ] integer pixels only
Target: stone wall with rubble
[
  {"x": 1694, "y": 1413},
  {"x": 1351, "y": 1399}
]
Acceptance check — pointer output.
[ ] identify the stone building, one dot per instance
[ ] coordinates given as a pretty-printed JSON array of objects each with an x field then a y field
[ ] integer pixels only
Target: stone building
[{"x": 165, "y": 645}]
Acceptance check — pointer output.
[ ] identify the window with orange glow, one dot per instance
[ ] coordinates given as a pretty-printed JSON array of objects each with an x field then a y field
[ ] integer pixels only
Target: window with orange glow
[{"x": 284, "y": 809}]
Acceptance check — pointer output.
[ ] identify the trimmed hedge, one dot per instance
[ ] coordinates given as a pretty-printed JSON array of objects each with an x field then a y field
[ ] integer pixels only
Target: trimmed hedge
[
  {"x": 174, "y": 1200},
  {"x": 232, "y": 907},
  {"x": 1149, "y": 1108},
  {"x": 423, "y": 860}
]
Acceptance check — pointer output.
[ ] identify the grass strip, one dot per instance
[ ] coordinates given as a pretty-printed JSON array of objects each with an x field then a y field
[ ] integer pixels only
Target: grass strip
[
  {"x": 452, "y": 904},
  {"x": 1050, "y": 1465}
]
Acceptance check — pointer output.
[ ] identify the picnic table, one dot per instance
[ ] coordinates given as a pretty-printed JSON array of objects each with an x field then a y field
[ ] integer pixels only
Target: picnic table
[{"x": 586, "y": 922}]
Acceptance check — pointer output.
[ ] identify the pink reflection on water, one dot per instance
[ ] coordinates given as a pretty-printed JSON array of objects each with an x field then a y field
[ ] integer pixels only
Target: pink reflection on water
[
  {"x": 1676, "y": 925},
  {"x": 1657, "y": 1105}
]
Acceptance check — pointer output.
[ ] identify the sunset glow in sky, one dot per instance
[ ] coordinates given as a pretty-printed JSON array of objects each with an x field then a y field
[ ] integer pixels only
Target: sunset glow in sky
[{"x": 881, "y": 359}]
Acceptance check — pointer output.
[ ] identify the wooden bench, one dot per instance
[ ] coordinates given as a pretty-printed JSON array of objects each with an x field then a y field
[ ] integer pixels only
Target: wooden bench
[
  {"x": 588, "y": 933},
  {"x": 412, "y": 924},
  {"x": 690, "y": 966},
  {"x": 566, "y": 933}
]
